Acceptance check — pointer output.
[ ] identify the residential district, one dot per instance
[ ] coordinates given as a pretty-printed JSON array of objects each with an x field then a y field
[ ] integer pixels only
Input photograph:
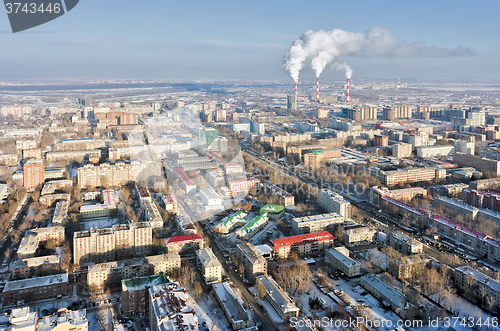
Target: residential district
[{"x": 246, "y": 207}]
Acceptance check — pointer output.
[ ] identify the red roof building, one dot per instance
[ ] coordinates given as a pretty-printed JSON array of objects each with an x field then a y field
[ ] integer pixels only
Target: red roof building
[{"x": 306, "y": 244}]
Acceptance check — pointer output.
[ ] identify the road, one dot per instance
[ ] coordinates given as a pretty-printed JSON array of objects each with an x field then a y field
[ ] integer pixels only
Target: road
[{"x": 266, "y": 323}]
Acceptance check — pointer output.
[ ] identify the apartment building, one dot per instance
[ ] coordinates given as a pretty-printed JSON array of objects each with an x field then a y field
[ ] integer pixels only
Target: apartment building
[
  {"x": 339, "y": 259},
  {"x": 456, "y": 206},
  {"x": 316, "y": 223},
  {"x": 334, "y": 203},
  {"x": 110, "y": 274},
  {"x": 404, "y": 195},
  {"x": 284, "y": 198},
  {"x": 33, "y": 174},
  {"x": 282, "y": 303},
  {"x": 117, "y": 174},
  {"x": 64, "y": 320},
  {"x": 488, "y": 166},
  {"x": 233, "y": 309},
  {"x": 240, "y": 186},
  {"x": 404, "y": 244},
  {"x": 150, "y": 210},
  {"x": 208, "y": 265},
  {"x": 184, "y": 245},
  {"x": 468, "y": 279},
  {"x": 402, "y": 150},
  {"x": 358, "y": 236},
  {"x": 362, "y": 113},
  {"x": 169, "y": 203},
  {"x": 394, "y": 177},
  {"x": 110, "y": 244},
  {"x": 390, "y": 113},
  {"x": 39, "y": 288},
  {"x": 305, "y": 244},
  {"x": 384, "y": 292},
  {"x": 36, "y": 267},
  {"x": 435, "y": 151},
  {"x": 253, "y": 261},
  {"x": 29, "y": 244},
  {"x": 135, "y": 293},
  {"x": 404, "y": 267},
  {"x": 169, "y": 308}
]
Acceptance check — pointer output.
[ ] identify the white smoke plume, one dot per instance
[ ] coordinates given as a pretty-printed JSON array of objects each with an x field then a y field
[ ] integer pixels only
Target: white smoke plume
[
  {"x": 342, "y": 66},
  {"x": 322, "y": 47}
]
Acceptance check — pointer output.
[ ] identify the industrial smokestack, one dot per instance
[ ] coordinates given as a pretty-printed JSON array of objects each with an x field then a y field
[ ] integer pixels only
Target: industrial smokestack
[
  {"x": 295, "y": 96},
  {"x": 347, "y": 98},
  {"x": 317, "y": 90}
]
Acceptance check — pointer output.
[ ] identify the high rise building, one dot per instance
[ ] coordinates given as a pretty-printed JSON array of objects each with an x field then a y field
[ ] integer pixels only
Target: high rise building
[
  {"x": 33, "y": 173},
  {"x": 362, "y": 113},
  {"x": 291, "y": 102},
  {"x": 402, "y": 150},
  {"x": 105, "y": 245},
  {"x": 117, "y": 174},
  {"x": 391, "y": 113},
  {"x": 380, "y": 140}
]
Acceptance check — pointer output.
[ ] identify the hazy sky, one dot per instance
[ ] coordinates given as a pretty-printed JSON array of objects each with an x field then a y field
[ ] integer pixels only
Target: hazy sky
[{"x": 244, "y": 39}]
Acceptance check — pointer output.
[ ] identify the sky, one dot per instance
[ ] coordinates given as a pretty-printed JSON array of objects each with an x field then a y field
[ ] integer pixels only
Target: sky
[{"x": 125, "y": 39}]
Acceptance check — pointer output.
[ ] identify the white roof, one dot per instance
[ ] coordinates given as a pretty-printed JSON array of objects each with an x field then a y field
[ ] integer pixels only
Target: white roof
[{"x": 36, "y": 282}]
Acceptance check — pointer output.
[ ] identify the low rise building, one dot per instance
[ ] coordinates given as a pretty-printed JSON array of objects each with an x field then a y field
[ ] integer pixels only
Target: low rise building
[
  {"x": 169, "y": 203},
  {"x": 29, "y": 244},
  {"x": 64, "y": 320},
  {"x": 110, "y": 274},
  {"x": 252, "y": 226},
  {"x": 305, "y": 244},
  {"x": 456, "y": 206},
  {"x": 405, "y": 266},
  {"x": 230, "y": 222},
  {"x": 384, "y": 292},
  {"x": 468, "y": 279},
  {"x": 282, "y": 303},
  {"x": 209, "y": 267},
  {"x": 255, "y": 264},
  {"x": 169, "y": 308},
  {"x": 36, "y": 267},
  {"x": 316, "y": 223},
  {"x": 404, "y": 244},
  {"x": 40, "y": 288},
  {"x": 105, "y": 209},
  {"x": 274, "y": 212},
  {"x": 135, "y": 293},
  {"x": 358, "y": 236},
  {"x": 234, "y": 311},
  {"x": 284, "y": 198},
  {"x": 184, "y": 245},
  {"x": 339, "y": 259},
  {"x": 334, "y": 203}
]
